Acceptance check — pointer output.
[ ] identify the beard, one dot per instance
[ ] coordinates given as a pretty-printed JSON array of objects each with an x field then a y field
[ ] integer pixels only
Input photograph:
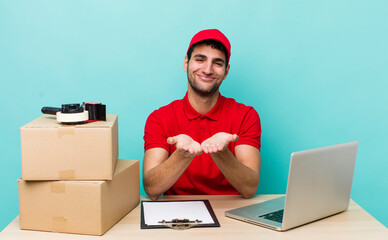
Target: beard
[{"x": 204, "y": 92}]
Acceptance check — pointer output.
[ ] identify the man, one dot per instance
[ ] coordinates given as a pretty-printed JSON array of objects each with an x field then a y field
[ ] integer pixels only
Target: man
[{"x": 204, "y": 143}]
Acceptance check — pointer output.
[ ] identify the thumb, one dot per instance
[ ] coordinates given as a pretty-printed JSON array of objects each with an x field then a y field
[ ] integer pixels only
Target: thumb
[
  {"x": 234, "y": 138},
  {"x": 171, "y": 140}
]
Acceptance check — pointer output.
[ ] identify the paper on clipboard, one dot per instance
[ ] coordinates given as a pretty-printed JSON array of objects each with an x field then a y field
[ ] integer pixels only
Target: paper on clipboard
[{"x": 153, "y": 212}]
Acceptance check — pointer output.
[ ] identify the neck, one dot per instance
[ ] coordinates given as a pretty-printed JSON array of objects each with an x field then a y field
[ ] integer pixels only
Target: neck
[{"x": 202, "y": 104}]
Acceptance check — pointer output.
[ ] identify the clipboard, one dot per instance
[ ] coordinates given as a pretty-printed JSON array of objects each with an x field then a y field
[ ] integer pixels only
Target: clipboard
[{"x": 189, "y": 213}]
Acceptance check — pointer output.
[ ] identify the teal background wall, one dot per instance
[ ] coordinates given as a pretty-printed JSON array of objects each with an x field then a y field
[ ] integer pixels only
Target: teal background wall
[{"x": 316, "y": 71}]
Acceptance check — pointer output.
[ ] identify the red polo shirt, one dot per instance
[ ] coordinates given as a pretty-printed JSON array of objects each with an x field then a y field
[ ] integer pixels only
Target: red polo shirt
[{"x": 202, "y": 176}]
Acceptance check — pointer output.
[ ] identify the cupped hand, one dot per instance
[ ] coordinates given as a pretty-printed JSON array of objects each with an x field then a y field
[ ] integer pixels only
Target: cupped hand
[
  {"x": 185, "y": 145},
  {"x": 218, "y": 142}
]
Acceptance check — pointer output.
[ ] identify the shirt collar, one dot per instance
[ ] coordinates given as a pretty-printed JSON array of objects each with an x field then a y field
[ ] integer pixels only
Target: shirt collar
[{"x": 213, "y": 114}]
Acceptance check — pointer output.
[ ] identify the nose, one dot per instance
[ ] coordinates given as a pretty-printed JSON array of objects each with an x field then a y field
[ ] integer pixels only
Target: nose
[{"x": 208, "y": 68}]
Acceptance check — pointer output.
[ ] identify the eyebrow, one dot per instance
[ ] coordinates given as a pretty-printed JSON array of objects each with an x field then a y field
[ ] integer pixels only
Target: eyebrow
[
  {"x": 200, "y": 55},
  {"x": 215, "y": 60}
]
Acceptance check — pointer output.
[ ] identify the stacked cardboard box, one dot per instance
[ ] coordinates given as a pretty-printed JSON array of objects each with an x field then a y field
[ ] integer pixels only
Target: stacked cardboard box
[{"x": 72, "y": 180}]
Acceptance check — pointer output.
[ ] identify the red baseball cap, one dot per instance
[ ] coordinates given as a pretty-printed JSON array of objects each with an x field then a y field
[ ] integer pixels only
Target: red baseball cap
[{"x": 214, "y": 34}]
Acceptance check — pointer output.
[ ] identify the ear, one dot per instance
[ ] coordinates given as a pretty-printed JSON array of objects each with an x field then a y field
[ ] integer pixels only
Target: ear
[
  {"x": 185, "y": 63},
  {"x": 226, "y": 71}
]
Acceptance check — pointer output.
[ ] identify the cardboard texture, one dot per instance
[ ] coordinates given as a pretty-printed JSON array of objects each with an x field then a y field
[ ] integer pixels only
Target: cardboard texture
[
  {"x": 69, "y": 152},
  {"x": 82, "y": 207}
]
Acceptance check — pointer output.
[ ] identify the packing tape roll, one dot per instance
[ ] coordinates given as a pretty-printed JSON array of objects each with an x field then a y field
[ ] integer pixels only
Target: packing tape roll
[
  {"x": 62, "y": 131},
  {"x": 59, "y": 224},
  {"x": 72, "y": 117},
  {"x": 97, "y": 111},
  {"x": 67, "y": 175},
  {"x": 58, "y": 187}
]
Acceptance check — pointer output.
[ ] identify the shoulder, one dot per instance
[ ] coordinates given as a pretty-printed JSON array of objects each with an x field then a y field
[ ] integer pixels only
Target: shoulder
[
  {"x": 159, "y": 125},
  {"x": 232, "y": 105}
]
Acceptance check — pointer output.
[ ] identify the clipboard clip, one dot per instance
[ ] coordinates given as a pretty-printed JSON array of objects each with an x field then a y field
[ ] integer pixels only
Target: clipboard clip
[{"x": 180, "y": 224}]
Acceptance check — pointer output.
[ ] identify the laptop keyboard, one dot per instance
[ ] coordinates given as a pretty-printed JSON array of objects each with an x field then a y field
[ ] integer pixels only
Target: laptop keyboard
[{"x": 276, "y": 216}]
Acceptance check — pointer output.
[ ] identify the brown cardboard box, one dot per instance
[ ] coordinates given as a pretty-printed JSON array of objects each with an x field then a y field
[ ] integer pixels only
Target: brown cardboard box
[
  {"x": 83, "y": 207},
  {"x": 52, "y": 151}
]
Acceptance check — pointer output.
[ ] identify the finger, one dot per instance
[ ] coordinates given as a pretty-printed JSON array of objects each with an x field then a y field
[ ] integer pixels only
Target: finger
[
  {"x": 220, "y": 147},
  {"x": 204, "y": 148},
  {"x": 191, "y": 151},
  {"x": 210, "y": 149},
  {"x": 202, "y": 145},
  {"x": 198, "y": 151},
  {"x": 214, "y": 149},
  {"x": 171, "y": 140},
  {"x": 233, "y": 138}
]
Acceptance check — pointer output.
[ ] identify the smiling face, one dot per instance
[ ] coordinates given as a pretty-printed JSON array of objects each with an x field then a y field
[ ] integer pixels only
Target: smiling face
[{"x": 206, "y": 70}]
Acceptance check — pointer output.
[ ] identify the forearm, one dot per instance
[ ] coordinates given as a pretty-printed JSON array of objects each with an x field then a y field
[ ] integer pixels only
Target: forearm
[
  {"x": 159, "y": 179},
  {"x": 244, "y": 179}
]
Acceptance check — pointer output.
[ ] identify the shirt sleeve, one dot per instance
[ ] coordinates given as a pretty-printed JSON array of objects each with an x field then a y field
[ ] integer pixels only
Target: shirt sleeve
[
  {"x": 154, "y": 134},
  {"x": 250, "y": 131}
]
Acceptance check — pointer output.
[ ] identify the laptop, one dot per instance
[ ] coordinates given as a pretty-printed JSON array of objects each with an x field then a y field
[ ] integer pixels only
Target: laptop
[{"x": 319, "y": 185}]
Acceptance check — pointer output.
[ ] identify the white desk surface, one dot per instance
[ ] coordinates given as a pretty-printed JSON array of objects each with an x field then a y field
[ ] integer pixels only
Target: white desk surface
[{"x": 355, "y": 223}]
